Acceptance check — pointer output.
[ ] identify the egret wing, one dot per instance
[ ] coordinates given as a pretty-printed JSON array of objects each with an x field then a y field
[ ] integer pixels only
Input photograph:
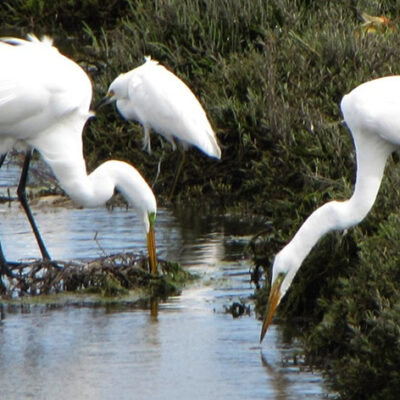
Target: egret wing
[
  {"x": 374, "y": 107},
  {"x": 165, "y": 102},
  {"x": 20, "y": 96},
  {"x": 38, "y": 86}
]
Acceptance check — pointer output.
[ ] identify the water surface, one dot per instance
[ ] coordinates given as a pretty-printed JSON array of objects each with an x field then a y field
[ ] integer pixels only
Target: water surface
[{"x": 192, "y": 349}]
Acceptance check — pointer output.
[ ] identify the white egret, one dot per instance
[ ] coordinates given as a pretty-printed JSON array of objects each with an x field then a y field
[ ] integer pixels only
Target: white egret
[
  {"x": 372, "y": 114},
  {"x": 159, "y": 100},
  {"x": 44, "y": 105}
]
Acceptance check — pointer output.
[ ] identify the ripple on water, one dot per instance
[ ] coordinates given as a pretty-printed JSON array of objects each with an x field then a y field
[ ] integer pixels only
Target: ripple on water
[{"x": 191, "y": 349}]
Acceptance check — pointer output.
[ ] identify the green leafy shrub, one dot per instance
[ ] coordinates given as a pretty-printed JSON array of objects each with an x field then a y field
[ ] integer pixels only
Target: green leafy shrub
[{"x": 358, "y": 336}]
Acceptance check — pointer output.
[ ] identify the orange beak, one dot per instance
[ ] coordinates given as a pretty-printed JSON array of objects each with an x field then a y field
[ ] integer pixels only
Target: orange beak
[
  {"x": 273, "y": 301},
  {"x": 151, "y": 249}
]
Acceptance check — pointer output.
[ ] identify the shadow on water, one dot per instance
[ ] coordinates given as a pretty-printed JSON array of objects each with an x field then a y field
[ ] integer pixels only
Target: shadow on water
[{"x": 186, "y": 347}]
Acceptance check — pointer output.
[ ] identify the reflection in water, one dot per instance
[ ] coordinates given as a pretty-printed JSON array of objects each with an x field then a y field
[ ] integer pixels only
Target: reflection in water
[
  {"x": 189, "y": 348},
  {"x": 284, "y": 369},
  {"x": 278, "y": 379},
  {"x": 77, "y": 233}
]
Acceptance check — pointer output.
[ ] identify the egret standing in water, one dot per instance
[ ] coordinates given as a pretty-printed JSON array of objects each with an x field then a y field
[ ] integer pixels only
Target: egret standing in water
[
  {"x": 44, "y": 105},
  {"x": 372, "y": 113},
  {"x": 158, "y": 99}
]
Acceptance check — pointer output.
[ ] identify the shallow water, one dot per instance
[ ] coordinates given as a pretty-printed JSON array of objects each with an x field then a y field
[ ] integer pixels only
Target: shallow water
[{"x": 191, "y": 349}]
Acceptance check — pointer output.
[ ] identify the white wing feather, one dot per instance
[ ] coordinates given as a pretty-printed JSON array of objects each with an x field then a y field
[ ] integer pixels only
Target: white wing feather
[
  {"x": 160, "y": 99},
  {"x": 374, "y": 107},
  {"x": 32, "y": 95}
]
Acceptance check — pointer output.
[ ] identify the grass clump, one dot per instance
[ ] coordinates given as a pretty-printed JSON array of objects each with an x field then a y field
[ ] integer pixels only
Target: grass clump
[{"x": 115, "y": 275}]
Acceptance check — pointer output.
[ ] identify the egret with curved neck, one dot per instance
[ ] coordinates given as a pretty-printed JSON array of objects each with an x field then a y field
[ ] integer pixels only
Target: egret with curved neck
[
  {"x": 44, "y": 105},
  {"x": 372, "y": 114}
]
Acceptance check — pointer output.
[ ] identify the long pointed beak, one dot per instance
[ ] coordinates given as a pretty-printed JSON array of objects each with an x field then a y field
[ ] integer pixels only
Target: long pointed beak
[
  {"x": 273, "y": 301},
  {"x": 151, "y": 249},
  {"x": 107, "y": 99}
]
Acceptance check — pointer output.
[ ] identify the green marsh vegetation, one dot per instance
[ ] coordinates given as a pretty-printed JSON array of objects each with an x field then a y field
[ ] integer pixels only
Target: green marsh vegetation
[{"x": 270, "y": 75}]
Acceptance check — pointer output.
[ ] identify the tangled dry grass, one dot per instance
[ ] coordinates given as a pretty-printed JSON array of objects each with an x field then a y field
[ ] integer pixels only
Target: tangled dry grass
[{"x": 111, "y": 275}]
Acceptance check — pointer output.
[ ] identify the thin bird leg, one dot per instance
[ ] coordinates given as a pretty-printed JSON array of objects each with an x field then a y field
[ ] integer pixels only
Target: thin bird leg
[
  {"x": 3, "y": 262},
  {"x": 146, "y": 139},
  {"x": 158, "y": 168},
  {"x": 4, "y": 271},
  {"x": 24, "y": 202},
  {"x": 2, "y": 158},
  {"x": 4, "y": 267},
  {"x": 177, "y": 174},
  {"x": 159, "y": 161}
]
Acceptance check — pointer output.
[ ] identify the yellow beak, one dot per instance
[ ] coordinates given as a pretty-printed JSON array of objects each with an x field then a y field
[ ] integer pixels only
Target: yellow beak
[
  {"x": 151, "y": 249},
  {"x": 273, "y": 301}
]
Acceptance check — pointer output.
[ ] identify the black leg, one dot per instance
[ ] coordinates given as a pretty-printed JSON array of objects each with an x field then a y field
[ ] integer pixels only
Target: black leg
[
  {"x": 2, "y": 158},
  {"x": 4, "y": 269},
  {"x": 24, "y": 202}
]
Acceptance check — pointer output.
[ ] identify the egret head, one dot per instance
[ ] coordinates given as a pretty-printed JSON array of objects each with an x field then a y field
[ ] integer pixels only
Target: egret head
[
  {"x": 145, "y": 205},
  {"x": 117, "y": 90},
  {"x": 107, "y": 99},
  {"x": 131, "y": 185},
  {"x": 146, "y": 210},
  {"x": 283, "y": 271}
]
